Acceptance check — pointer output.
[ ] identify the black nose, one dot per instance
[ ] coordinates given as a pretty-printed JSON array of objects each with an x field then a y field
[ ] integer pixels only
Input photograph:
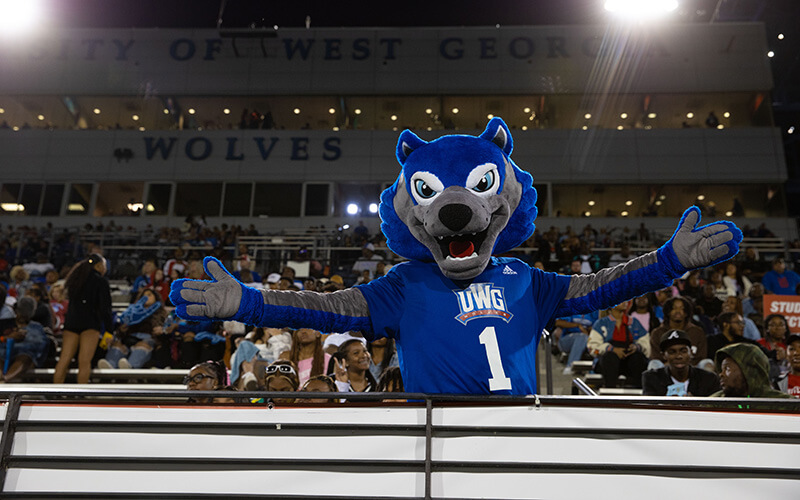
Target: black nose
[{"x": 455, "y": 216}]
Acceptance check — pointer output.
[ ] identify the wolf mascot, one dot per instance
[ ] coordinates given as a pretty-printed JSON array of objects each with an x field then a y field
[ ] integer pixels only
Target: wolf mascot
[{"x": 464, "y": 321}]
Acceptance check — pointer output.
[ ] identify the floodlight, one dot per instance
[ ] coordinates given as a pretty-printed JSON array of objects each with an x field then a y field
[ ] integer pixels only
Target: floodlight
[
  {"x": 373, "y": 208},
  {"x": 640, "y": 10},
  {"x": 18, "y": 17},
  {"x": 352, "y": 208}
]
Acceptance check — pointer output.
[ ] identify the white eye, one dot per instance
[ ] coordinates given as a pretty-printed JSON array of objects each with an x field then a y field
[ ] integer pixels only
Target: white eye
[
  {"x": 484, "y": 180},
  {"x": 425, "y": 187}
]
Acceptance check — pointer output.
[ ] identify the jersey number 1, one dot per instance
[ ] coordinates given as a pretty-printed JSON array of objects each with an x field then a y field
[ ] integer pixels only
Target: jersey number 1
[{"x": 499, "y": 381}]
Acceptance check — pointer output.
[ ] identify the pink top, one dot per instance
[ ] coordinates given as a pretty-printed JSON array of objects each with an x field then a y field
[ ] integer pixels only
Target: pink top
[{"x": 304, "y": 368}]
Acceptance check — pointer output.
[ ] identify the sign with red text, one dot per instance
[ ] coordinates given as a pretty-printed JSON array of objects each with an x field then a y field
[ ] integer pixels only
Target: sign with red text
[{"x": 786, "y": 305}]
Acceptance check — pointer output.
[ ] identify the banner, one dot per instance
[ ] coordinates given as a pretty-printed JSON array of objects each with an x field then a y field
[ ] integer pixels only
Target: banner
[{"x": 786, "y": 305}]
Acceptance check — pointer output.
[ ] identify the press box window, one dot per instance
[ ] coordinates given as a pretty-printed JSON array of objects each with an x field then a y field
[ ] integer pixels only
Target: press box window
[
  {"x": 157, "y": 201},
  {"x": 237, "y": 199},
  {"x": 198, "y": 199},
  {"x": 277, "y": 200},
  {"x": 80, "y": 196}
]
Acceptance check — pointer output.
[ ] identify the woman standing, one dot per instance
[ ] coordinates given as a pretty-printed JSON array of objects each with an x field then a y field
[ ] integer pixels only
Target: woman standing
[{"x": 88, "y": 314}]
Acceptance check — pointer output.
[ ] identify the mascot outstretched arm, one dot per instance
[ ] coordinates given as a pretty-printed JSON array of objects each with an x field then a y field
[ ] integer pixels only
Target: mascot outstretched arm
[{"x": 463, "y": 321}]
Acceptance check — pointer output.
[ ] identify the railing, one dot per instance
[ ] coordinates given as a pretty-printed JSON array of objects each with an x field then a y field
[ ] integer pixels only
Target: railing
[{"x": 86, "y": 443}]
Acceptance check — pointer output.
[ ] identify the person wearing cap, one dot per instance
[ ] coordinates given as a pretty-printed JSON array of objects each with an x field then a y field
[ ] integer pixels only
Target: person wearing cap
[
  {"x": 272, "y": 281},
  {"x": 678, "y": 377},
  {"x": 28, "y": 342},
  {"x": 368, "y": 261},
  {"x": 790, "y": 383},
  {"x": 678, "y": 312},
  {"x": 744, "y": 372}
]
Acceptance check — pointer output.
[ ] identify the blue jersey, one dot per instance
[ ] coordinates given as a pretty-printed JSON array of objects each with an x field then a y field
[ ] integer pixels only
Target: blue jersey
[{"x": 477, "y": 337}]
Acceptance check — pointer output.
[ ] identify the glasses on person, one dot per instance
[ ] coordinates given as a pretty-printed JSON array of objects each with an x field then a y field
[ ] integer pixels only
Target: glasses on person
[
  {"x": 197, "y": 378},
  {"x": 286, "y": 369}
]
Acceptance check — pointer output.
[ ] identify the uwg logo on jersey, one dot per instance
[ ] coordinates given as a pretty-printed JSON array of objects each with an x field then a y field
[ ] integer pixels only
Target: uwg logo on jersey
[{"x": 481, "y": 299}]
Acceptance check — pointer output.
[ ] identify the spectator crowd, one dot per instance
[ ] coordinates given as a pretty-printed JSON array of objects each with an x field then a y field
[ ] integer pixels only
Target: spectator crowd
[{"x": 707, "y": 334}]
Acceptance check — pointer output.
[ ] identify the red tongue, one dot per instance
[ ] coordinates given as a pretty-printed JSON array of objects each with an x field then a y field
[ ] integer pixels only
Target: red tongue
[{"x": 461, "y": 248}]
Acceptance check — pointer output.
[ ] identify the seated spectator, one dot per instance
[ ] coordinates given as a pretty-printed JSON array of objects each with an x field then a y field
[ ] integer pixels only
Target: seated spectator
[
  {"x": 383, "y": 355},
  {"x": 590, "y": 261},
  {"x": 58, "y": 307},
  {"x": 351, "y": 367},
  {"x": 753, "y": 305},
  {"x": 731, "y": 327},
  {"x": 790, "y": 383},
  {"x": 144, "y": 279},
  {"x": 774, "y": 344},
  {"x": 692, "y": 286},
  {"x": 572, "y": 334},
  {"x": 368, "y": 261},
  {"x": 281, "y": 376},
  {"x": 307, "y": 354},
  {"x": 707, "y": 303},
  {"x": 206, "y": 376},
  {"x": 643, "y": 308},
  {"x": 318, "y": 383},
  {"x": 780, "y": 281},
  {"x": 678, "y": 377},
  {"x": 245, "y": 264},
  {"x": 734, "y": 304},
  {"x": 243, "y": 363},
  {"x": 621, "y": 257},
  {"x": 27, "y": 345},
  {"x": 737, "y": 284},
  {"x": 20, "y": 282},
  {"x": 43, "y": 314},
  {"x": 134, "y": 341},
  {"x": 613, "y": 342},
  {"x": 678, "y": 312},
  {"x": 720, "y": 290},
  {"x": 37, "y": 270},
  {"x": 744, "y": 373},
  {"x": 751, "y": 264},
  {"x": 551, "y": 252},
  {"x": 391, "y": 381}
]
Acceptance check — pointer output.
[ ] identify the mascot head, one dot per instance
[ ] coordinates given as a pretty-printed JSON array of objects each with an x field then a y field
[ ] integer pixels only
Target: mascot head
[{"x": 458, "y": 200}]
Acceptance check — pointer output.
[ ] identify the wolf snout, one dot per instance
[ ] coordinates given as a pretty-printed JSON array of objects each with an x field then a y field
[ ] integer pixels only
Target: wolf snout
[{"x": 455, "y": 216}]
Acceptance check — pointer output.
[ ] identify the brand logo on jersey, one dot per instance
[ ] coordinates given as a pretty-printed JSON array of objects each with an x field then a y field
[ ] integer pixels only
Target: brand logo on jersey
[
  {"x": 508, "y": 270},
  {"x": 482, "y": 300}
]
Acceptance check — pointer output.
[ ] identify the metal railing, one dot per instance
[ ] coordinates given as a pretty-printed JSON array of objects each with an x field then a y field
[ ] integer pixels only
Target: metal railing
[{"x": 431, "y": 429}]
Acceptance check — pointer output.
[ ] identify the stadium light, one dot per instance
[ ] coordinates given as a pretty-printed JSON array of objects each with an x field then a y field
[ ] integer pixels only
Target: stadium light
[
  {"x": 17, "y": 18},
  {"x": 640, "y": 10},
  {"x": 352, "y": 208},
  {"x": 373, "y": 208}
]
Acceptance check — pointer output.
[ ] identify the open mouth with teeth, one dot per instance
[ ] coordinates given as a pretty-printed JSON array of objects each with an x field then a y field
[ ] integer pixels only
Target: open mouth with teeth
[{"x": 461, "y": 246}]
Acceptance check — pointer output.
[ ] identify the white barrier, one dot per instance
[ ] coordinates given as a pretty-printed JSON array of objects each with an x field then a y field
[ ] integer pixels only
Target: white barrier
[{"x": 343, "y": 451}]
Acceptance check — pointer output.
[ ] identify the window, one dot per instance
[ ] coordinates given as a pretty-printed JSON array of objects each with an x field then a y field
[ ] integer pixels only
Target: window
[
  {"x": 31, "y": 198},
  {"x": 53, "y": 196},
  {"x": 277, "y": 200},
  {"x": 237, "y": 199},
  {"x": 158, "y": 199},
  {"x": 9, "y": 198},
  {"x": 317, "y": 199},
  {"x": 357, "y": 199},
  {"x": 80, "y": 196},
  {"x": 119, "y": 198},
  {"x": 200, "y": 198}
]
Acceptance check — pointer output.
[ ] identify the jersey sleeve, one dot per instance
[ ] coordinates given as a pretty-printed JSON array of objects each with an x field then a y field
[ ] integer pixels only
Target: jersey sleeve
[
  {"x": 385, "y": 299},
  {"x": 548, "y": 290}
]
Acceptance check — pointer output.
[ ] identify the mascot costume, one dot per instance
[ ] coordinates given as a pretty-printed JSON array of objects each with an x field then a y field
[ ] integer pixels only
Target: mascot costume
[{"x": 463, "y": 321}]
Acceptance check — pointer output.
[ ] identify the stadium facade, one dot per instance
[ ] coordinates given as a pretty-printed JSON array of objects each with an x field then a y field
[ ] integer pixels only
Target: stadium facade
[{"x": 287, "y": 128}]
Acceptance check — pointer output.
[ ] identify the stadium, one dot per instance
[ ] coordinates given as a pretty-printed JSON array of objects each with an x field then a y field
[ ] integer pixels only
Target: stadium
[{"x": 205, "y": 205}]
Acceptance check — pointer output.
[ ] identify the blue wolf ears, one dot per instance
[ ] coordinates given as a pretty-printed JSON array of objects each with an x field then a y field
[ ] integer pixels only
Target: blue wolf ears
[{"x": 496, "y": 132}]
